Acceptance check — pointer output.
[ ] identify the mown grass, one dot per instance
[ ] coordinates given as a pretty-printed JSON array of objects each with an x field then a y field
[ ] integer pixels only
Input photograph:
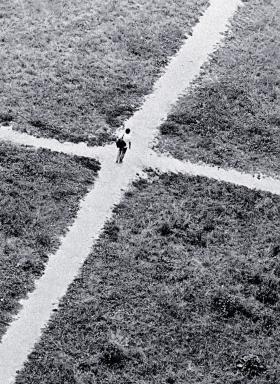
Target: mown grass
[
  {"x": 76, "y": 70},
  {"x": 182, "y": 287},
  {"x": 230, "y": 117},
  {"x": 39, "y": 197}
]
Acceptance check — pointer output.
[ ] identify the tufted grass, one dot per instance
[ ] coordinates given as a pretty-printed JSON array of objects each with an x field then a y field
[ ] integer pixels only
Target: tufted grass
[
  {"x": 40, "y": 193},
  {"x": 182, "y": 287},
  {"x": 76, "y": 70},
  {"x": 230, "y": 117}
]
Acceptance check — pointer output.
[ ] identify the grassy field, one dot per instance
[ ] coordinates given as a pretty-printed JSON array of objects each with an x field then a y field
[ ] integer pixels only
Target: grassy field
[
  {"x": 231, "y": 115},
  {"x": 76, "y": 70},
  {"x": 182, "y": 287},
  {"x": 40, "y": 193}
]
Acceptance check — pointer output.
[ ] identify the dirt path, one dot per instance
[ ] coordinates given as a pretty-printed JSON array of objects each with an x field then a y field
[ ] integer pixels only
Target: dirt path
[
  {"x": 113, "y": 179},
  {"x": 258, "y": 182},
  {"x": 152, "y": 159}
]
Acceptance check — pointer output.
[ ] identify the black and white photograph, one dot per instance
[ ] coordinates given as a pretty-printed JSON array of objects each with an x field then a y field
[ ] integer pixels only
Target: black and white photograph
[{"x": 140, "y": 192}]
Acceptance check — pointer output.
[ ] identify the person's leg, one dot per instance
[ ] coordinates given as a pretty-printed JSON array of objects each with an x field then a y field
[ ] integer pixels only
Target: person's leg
[
  {"x": 119, "y": 156},
  {"x": 122, "y": 154}
]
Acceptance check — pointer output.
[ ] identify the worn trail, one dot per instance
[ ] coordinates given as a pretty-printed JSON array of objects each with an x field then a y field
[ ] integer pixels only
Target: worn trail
[
  {"x": 149, "y": 159},
  {"x": 113, "y": 179},
  {"x": 258, "y": 182}
]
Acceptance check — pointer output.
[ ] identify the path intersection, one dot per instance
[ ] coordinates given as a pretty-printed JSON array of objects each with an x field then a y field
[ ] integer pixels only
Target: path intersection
[{"x": 113, "y": 179}]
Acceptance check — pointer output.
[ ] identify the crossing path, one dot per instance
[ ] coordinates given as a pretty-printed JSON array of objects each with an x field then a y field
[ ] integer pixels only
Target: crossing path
[
  {"x": 113, "y": 180},
  {"x": 150, "y": 159}
]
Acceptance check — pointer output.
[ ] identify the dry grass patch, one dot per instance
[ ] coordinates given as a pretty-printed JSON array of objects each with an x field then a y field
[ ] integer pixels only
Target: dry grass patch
[
  {"x": 231, "y": 116},
  {"x": 40, "y": 193},
  {"x": 76, "y": 70},
  {"x": 182, "y": 287}
]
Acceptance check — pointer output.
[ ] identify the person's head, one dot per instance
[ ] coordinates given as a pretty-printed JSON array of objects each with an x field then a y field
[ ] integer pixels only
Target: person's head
[{"x": 127, "y": 130}]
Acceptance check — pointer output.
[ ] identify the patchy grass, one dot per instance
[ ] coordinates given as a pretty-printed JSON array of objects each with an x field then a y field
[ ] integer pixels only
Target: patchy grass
[
  {"x": 182, "y": 287},
  {"x": 76, "y": 70},
  {"x": 40, "y": 193},
  {"x": 231, "y": 117}
]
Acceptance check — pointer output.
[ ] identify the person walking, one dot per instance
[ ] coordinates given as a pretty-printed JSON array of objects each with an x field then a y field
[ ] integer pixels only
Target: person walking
[{"x": 123, "y": 141}]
